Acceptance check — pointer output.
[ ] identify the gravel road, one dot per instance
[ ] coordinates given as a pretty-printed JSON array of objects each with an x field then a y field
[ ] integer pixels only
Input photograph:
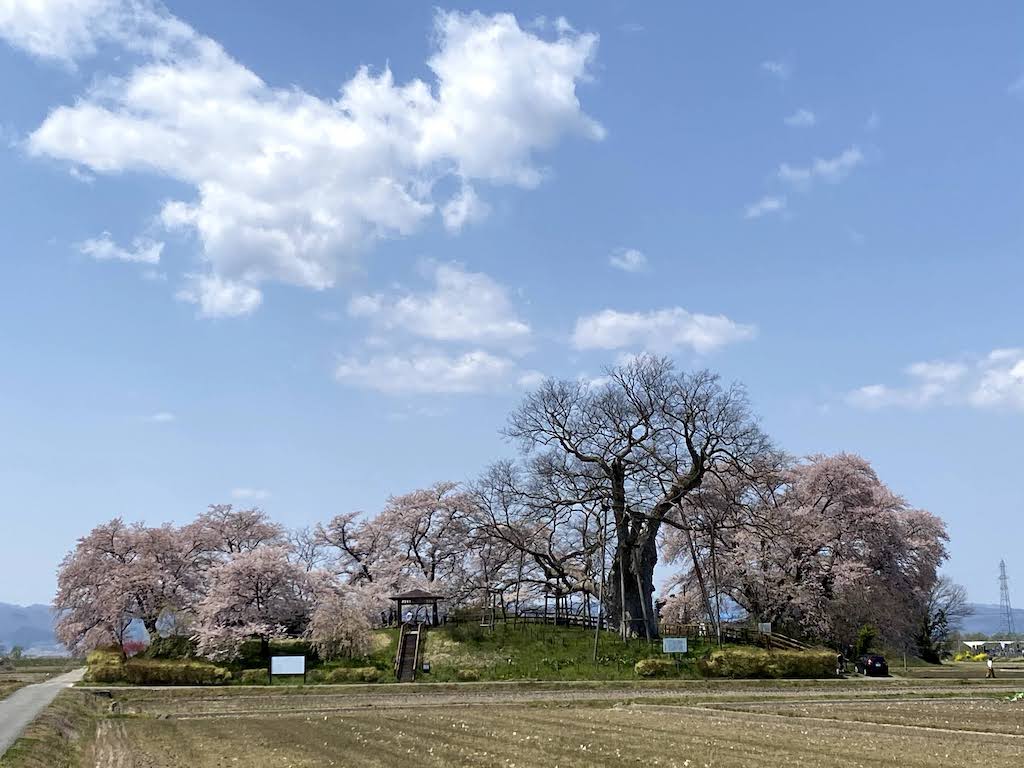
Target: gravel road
[{"x": 21, "y": 707}]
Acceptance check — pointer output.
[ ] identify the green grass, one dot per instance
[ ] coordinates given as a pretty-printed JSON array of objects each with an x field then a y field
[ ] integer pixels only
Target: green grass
[
  {"x": 59, "y": 737},
  {"x": 535, "y": 652}
]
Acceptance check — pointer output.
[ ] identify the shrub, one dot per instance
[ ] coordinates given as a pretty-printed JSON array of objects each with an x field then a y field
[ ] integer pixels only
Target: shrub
[
  {"x": 352, "y": 675},
  {"x": 174, "y": 647},
  {"x": 758, "y": 663},
  {"x": 468, "y": 675},
  {"x": 655, "y": 667},
  {"x": 254, "y": 677},
  {"x": 979, "y": 657},
  {"x": 104, "y": 666}
]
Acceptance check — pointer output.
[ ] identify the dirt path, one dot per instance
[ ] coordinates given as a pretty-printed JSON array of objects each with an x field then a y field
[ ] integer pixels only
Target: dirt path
[{"x": 21, "y": 707}]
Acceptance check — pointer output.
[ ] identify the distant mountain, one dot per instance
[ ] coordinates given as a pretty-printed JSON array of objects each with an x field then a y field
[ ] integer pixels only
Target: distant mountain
[
  {"x": 988, "y": 620},
  {"x": 30, "y": 626}
]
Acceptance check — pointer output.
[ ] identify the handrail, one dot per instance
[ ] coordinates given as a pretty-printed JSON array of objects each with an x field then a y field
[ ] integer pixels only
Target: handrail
[
  {"x": 398, "y": 653},
  {"x": 416, "y": 654}
]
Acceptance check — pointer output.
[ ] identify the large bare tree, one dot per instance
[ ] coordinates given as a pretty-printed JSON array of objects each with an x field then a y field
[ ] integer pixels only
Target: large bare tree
[{"x": 640, "y": 443}]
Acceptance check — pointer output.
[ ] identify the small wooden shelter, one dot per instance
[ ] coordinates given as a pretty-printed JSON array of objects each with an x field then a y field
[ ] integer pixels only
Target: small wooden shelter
[{"x": 418, "y": 597}]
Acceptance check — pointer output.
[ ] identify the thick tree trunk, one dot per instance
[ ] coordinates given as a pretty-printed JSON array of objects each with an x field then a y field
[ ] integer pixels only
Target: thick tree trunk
[{"x": 634, "y": 576}]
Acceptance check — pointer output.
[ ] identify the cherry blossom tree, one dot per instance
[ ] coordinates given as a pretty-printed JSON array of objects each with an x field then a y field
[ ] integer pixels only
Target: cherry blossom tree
[
  {"x": 98, "y": 588},
  {"x": 818, "y": 548},
  {"x": 228, "y": 531},
  {"x": 340, "y": 624},
  {"x": 256, "y": 593}
]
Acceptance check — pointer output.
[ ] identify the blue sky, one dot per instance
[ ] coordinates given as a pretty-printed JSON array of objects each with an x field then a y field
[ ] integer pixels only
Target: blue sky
[{"x": 238, "y": 268}]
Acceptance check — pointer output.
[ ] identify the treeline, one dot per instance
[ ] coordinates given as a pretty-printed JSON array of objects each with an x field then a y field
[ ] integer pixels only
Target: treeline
[{"x": 650, "y": 463}]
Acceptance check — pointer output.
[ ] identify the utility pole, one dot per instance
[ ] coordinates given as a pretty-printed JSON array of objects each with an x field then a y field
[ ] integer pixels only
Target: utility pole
[{"x": 1004, "y": 601}]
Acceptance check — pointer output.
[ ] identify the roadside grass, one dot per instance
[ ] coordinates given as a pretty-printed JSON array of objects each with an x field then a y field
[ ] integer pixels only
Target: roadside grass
[
  {"x": 7, "y": 687},
  {"x": 59, "y": 738}
]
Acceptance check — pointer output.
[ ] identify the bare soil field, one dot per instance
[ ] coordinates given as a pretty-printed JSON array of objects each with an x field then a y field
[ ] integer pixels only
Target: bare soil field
[
  {"x": 562, "y": 735},
  {"x": 981, "y": 715},
  {"x": 693, "y": 725}
]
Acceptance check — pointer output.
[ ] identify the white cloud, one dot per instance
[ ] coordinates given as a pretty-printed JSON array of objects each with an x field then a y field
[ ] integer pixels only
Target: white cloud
[
  {"x": 996, "y": 380},
  {"x": 832, "y": 170},
  {"x": 628, "y": 260},
  {"x": 1001, "y": 380},
  {"x": 103, "y": 248},
  {"x": 778, "y": 69},
  {"x": 661, "y": 330},
  {"x": 767, "y": 204},
  {"x": 465, "y": 207},
  {"x": 802, "y": 118},
  {"x": 290, "y": 187},
  {"x": 250, "y": 494},
  {"x": 218, "y": 297},
  {"x": 429, "y": 372},
  {"x": 873, "y": 122},
  {"x": 1017, "y": 86},
  {"x": 463, "y": 306},
  {"x": 162, "y": 417},
  {"x": 69, "y": 30}
]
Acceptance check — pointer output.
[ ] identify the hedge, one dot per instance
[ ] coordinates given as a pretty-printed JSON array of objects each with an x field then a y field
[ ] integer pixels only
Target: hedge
[
  {"x": 758, "y": 663},
  {"x": 107, "y": 667}
]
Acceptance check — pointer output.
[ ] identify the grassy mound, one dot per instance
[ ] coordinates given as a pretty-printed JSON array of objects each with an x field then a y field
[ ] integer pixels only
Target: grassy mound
[{"x": 469, "y": 652}]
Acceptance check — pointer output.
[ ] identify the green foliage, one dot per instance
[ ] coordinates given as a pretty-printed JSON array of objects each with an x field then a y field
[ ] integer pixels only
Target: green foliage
[
  {"x": 253, "y": 677},
  {"x": 655, "y": 668},
  {"x": 106, "y": 666},
  {"x": 759, "y": 663},
  {"x": 866, "y": 637},
  {"x": 174, "y": 647}
]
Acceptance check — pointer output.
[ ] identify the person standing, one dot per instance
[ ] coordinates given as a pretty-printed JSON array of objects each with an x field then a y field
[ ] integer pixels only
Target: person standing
[{"x": 991, "y": 673}]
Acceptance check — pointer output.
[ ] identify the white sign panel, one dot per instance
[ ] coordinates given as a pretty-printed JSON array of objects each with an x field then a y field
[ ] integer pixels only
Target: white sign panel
[
  {"x": 288, "y": 665},
  {"x": 765, "y": 629},
  {"x": 673, "y": 645}
]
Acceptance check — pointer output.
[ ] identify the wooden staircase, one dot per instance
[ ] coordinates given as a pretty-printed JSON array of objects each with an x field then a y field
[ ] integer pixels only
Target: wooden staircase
[{"x": 408, "y": 653}]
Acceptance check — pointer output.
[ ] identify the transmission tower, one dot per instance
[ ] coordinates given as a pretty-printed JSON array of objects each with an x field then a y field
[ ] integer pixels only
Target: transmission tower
[{"x": 1004, "y": 601}]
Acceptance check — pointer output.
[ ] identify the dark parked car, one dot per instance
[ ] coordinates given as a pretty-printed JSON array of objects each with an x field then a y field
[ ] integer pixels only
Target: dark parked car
[{"x": 872, "y": 665}]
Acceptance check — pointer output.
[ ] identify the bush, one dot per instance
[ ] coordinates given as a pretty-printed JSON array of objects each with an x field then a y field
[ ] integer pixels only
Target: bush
[
  {"x": 758, "y": 663},
  {"x": 254, "y": 677},
  {"x": 104, "y": 665},
  {"x": 468, "y": 675},
  {"x": 174, "y": 647},
  {"x": 351, "y": 675},
  {"x": 655, "y": 667}
]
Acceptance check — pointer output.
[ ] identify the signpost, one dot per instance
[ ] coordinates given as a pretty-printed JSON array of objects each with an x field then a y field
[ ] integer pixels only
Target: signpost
[
  {"x": 288, "y": 665},
  {"x": 673, "y": 645},
  {"x": 765, "y": 628}
]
